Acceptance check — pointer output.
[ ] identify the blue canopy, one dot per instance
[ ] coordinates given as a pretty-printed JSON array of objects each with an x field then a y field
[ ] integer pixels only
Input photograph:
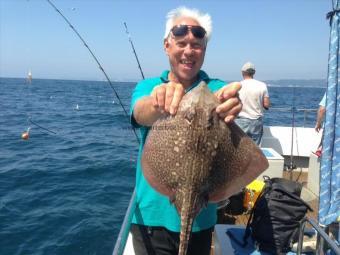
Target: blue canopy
[{"x": 329, "y": 200}]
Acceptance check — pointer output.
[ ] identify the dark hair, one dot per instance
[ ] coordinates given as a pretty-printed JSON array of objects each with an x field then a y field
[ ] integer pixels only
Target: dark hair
[{"x": 249, "y": 72}]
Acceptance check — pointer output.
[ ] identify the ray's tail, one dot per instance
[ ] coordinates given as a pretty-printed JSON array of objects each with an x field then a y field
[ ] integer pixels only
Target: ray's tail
[{"x": 187, "y": 218}]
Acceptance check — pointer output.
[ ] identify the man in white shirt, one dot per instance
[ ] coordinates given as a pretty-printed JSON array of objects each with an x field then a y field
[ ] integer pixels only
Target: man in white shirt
[{"x": 255, "y": 98}]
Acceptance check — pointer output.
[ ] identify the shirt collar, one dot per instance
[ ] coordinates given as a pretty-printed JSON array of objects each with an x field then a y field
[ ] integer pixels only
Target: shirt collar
[{"x": 202, "y": 76}]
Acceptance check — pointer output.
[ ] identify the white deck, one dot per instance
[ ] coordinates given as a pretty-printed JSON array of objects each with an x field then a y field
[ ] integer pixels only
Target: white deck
[
  {"x": 129, "y": 246},
  {"x": 305, "y": 140}
]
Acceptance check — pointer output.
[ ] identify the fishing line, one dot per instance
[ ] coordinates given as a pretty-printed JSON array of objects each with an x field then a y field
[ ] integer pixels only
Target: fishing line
[
  {"x": 133, "y": 49},
  {"x": 28, "y": 80},
  {"x": 37, "y": 125},
  {"x": 95, "y": 58}
]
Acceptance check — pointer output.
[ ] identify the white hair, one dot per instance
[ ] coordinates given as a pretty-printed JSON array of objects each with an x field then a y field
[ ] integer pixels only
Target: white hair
[{"x": 204, "y": 20}]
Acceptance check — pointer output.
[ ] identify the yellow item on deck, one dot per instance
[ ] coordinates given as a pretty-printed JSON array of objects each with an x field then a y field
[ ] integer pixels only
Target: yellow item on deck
[{"x": 252, "y": 192}]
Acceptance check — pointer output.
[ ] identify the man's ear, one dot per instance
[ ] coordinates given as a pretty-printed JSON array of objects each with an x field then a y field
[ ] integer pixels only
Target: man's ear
[{"x": 166, "y": 45}]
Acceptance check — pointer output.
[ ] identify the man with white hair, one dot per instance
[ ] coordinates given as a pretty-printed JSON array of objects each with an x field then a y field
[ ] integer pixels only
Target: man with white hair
[
  {"x": 255, "y": 98},
  {"x": 156, "y": 224}
]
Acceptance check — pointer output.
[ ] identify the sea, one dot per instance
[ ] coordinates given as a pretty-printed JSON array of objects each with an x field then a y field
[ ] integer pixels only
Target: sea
[{"x": 65, "y": 190}]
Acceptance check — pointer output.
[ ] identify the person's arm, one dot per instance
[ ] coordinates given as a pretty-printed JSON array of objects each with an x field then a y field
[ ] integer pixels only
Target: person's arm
[
  {"x": 144, "y": 113},
  {"x": 266, "y": 103},
  {"x": 319, "y": 118},
  {"x": 164, "y": 99}
]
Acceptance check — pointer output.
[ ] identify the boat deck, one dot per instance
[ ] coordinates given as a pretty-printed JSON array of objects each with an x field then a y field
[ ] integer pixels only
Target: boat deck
[{"x": 311, "y": 199}]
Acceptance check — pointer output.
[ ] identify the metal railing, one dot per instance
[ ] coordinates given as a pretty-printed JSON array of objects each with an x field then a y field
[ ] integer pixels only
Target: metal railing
[
  {"x": 322, "y": 237},
  {"x": 125, "y": 228},
  {"x": 306, "y": 111}
]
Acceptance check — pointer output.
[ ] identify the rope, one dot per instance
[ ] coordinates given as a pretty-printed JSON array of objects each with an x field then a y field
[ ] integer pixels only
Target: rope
[{"x": 330, "y": 15}]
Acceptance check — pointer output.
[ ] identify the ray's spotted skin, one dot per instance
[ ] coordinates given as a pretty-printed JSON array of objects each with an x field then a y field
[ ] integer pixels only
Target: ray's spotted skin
[{"x": 194, "y": 157}]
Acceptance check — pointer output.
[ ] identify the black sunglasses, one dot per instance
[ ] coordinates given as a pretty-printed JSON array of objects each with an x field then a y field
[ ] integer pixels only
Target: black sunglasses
[{"x": 182, "y": 30}]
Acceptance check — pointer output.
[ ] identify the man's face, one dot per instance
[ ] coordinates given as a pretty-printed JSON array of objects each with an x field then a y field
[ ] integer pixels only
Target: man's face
[{"x": 186, "y": 53}]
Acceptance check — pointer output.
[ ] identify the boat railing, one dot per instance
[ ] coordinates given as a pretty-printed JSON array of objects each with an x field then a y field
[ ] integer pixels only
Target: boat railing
[
  {"x": 322, "y": 237},
  {"x": 305, "y": 111},
  {"x": 125, "y": 228}
]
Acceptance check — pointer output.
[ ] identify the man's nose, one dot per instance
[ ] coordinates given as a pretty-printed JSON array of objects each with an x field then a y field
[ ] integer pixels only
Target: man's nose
[{"x": 189, "y": 50}]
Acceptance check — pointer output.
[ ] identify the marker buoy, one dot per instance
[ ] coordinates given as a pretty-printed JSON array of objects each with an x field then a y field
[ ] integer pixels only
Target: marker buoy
[{"x": 25, "y": 135}]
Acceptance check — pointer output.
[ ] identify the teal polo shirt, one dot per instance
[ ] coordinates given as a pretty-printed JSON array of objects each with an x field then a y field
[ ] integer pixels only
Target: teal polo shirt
[{"x": 153, "y": 208}]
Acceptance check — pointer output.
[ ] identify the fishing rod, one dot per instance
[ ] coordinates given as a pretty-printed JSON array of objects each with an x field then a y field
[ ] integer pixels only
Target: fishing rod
[
  {"x": 124, "y": 230},
  {"x": 97, "y": 61},
  {"x": 291, "y": 165},
  {"x": 133, "y": 49}
]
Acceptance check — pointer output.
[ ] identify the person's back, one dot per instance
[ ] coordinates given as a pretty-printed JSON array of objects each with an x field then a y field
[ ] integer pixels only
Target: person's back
[
  {"x": 252, "y": 95},
  {"x": 255, "y": 98}
]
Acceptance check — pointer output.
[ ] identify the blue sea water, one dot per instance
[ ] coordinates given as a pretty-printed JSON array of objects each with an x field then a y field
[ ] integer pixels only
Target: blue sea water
[{"x": 67, "y": 193}]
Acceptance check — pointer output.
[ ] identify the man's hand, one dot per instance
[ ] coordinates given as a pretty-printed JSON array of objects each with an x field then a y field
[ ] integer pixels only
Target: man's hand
[
  {"x": 319, "y": 118},
  {"x": 167, "y": 96},
  {"x": 230, "y": 103},
  {"x": 317, "y": 126},
  {"x": 164, "y": 99}
]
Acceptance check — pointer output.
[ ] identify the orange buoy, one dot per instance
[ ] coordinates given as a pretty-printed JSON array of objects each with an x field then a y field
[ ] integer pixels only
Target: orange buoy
[{"x": 25, "y": 135}]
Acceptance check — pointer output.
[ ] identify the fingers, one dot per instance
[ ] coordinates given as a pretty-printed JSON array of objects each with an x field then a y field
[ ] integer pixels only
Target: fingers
[
  {"x": 166, "y": 97},
  {"x": 228, "y": 91},
  {"x": 229, "y": 110},
  {"x": 230, "y": 103},
  {"x": 177, "y": 97},
  {"x": 157, "y": 95},
  {"x": 169, "y": 94}
]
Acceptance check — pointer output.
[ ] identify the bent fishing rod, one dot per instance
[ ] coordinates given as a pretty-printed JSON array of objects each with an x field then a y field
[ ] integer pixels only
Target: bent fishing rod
[{"x": 97, "y": 61}]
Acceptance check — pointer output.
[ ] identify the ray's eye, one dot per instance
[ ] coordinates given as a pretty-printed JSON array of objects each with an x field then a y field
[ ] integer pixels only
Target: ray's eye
[
  {"x": 211, "y": 119},
  {"x": 190, "y": 115}
]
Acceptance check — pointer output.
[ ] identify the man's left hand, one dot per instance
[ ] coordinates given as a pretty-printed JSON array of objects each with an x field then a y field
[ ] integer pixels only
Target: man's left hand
[{"x": 230, "y": 105}]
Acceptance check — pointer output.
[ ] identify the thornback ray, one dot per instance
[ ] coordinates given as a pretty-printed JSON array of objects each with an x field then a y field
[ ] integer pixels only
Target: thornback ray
[{"x": 195, "y": 158}]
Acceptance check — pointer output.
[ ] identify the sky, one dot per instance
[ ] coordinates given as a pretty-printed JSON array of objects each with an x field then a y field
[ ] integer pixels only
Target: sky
[{"x": 284, "y": 39}]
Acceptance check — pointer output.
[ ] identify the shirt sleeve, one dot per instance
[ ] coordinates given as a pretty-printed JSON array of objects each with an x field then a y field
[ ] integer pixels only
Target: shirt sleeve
[
  {"x": 323, "y": 101},
  {"x": 216, "y": 84},
  {"x": 265, "y": 91},
  {"x": 142, "y": 89}
]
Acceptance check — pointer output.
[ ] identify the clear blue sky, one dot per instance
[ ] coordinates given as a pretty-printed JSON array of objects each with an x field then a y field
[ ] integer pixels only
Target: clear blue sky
[{"x": 284, "y": 39}]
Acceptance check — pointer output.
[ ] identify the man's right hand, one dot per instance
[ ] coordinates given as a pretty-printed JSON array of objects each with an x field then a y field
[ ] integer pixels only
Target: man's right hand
[
  {"x": 317, "y": 127},
  {"x": 167, "y": 96},
  {"x": 164, "y": 99}
]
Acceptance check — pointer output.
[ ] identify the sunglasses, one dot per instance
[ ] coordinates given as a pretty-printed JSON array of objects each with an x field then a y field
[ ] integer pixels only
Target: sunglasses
[{"x": 182, "y": 30}]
